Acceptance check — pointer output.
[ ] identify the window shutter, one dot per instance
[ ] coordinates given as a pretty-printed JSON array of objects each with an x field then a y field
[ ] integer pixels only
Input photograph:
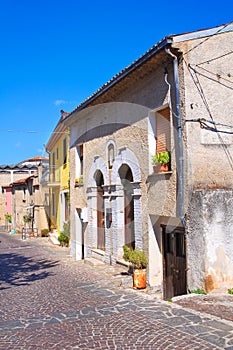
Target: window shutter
[{"x": 163, "y": 134}]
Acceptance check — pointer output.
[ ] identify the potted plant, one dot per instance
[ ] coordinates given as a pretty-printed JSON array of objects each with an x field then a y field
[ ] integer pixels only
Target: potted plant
[
  {"x": 79, "y": 181},
  {"x": 139, "y": 263},
  {"x": 160, "y": 161},
  {"x": 64, "y": 237}
]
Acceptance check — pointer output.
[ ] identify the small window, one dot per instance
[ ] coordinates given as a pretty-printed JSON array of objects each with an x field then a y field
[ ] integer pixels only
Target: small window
[
  {"x": 64, "y": 151},
  {"x": 163, "y": 132},
  {"x": 66, "y": 207},
  {"x": 53, "y": 167},
  {"x": 57, "y": 153},
  {"x": 111, "y": 155},
  {"x": 53, "y": 204},
  {"x": 80, "y": 154}
]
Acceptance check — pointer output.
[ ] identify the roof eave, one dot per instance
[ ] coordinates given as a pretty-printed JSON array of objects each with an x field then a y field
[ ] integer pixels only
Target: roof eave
[{"x": 118, "y": 77}]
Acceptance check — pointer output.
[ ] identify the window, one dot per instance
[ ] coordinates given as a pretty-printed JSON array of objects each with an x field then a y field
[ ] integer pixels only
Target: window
[
  {"x": 53, "y": 204},
  {"x": 53, "y": 167},
  {"x": 57, "y": 153},
  {"x": 66, "y": 196},
  {"x": 159, "y": 134},
  {"x": 80, "y": 154},
  {"x": 64, "y": 151},
  {"x": 111, "y": 156},
  {"x": 163, "y": 132}
]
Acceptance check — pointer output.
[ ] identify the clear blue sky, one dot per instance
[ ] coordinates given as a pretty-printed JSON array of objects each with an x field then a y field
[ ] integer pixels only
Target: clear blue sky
[{"x": 55, "y": 53}]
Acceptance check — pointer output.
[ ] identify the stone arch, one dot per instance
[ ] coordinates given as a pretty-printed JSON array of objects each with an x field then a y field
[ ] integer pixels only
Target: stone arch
[
  {"x": 97, "y": 181},
  {"x": 98, "y": 164},
  {"x": 126, "y": 156},
  {"x": 126, "y": 165}
]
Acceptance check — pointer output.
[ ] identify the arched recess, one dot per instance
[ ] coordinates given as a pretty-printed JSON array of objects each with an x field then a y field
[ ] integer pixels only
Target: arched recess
[
  {"x": 126, "y": 179},
  {"x": 98, "y": 176},
  {"x": 126, "y": 156},
  {"x": 126, "y": 176},
  {"x": 98, "y": 164}
]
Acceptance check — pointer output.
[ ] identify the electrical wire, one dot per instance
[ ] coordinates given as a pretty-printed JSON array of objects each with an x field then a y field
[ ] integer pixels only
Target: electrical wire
[
  {"x": 216, "y": 58},
  {"x": 213, "y": 129},
  {"x": 209, "y": 37},
  {"x": 203, "y": 124},
  {"x": 199, "y": 88},
  {"x": 215, "y": 80},
  {"x": 215, "y": 74}
]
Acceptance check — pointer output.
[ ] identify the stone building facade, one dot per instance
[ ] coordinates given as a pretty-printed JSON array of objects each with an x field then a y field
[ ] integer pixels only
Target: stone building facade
[
  {"x": 24, "y": 194},
  {"x": 175, "y": 98},
  {"x": 59, "y": 176}
]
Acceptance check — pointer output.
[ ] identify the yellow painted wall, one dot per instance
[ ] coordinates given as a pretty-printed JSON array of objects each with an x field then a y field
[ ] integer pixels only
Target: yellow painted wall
[{"x": 62, "y": 175}]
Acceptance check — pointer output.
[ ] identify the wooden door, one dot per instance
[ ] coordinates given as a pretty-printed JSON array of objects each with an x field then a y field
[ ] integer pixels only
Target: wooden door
[
  {"x": 100, "y": 219},
  {"x": 174, "y": 262}
]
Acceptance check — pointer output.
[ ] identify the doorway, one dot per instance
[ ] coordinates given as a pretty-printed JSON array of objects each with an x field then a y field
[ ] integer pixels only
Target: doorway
[
  {"x": 100, "y": 211},
  {"x": 126, "y": 180},
  {"x": 174, "y": 262}
]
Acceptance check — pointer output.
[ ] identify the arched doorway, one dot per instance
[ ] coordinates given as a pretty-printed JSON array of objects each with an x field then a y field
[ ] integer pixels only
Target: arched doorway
[
  {"x": 100, "y": 210},
  {"x": 126, "y": 180}
]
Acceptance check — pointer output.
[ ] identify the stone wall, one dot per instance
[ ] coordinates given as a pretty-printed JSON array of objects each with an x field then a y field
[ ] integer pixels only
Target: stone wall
[
  {"x": 210, "y": 239},
  {"x": 208, "y": 153}
]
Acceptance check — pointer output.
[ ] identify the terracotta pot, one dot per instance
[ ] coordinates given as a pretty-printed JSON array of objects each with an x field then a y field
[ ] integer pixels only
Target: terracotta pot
[
  {"x": 139, "y": 278},
  {"x": 159, "y": 168},
  {"x": 164, "y": 167}
]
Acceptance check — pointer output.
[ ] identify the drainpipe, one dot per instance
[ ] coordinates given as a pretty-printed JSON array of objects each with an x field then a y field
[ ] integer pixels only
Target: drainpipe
[{"x": 180, "y": 180}]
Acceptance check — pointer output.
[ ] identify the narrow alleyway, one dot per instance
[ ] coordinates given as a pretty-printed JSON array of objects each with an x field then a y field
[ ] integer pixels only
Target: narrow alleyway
[{"x": 49, "y": 301}]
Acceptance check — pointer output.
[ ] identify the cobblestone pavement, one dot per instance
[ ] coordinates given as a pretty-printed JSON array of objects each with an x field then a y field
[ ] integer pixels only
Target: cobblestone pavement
[{"x": 49, "y": 301}]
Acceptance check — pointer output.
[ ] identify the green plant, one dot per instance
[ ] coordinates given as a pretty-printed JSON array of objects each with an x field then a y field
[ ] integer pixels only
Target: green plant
[
  {"x": 8, "y": 218},
  {"x": 136, "y": 257},
  {"x": 198, "y": 291},
  {"x": 230, "y": 290},
  {"x": 63, "y": 239},
  {"x": 161, "y": 158},
  {"x": 44, "y": 232},
  {"x": 27, "y": 218},
  {"x": 64, "y": 236},
  {"x": 66, "y": 229}
]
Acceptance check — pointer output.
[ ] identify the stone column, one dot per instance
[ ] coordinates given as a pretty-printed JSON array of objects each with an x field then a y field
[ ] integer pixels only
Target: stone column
[
  {"x": 92, "y": 219},
  {"x": 137, "y": 215},
  {"x": 118, "y": 227}
]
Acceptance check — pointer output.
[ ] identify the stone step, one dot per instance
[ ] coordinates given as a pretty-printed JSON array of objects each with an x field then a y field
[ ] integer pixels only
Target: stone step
[
  {"x": 54, "y": 240},
  {"x": 93, "y": 262}
]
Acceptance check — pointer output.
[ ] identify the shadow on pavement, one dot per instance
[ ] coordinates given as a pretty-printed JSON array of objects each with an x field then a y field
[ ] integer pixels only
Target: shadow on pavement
[{"x": 17, "y": 270}]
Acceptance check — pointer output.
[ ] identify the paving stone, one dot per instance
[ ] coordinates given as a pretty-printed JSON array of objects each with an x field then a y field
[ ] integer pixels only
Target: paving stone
[{"x": 52, "y": 302}]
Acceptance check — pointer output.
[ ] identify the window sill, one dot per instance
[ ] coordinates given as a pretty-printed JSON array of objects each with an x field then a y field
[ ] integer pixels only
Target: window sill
[
  {"x": 161, "y": 173},
  {"x": 78, "y": 185}
]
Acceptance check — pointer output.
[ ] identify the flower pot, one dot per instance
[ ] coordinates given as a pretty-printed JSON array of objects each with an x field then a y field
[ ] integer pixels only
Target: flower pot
[
  {"x": 139, "y": 278},
  {"x": 164, "y": 167},
  {"x": 159, "y": 168}
]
